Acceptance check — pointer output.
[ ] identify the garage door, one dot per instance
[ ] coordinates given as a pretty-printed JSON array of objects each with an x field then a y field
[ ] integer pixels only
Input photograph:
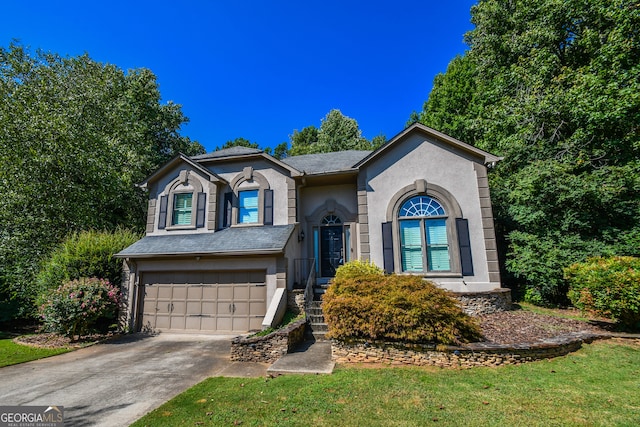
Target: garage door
[{"x": 220, "y": 301}]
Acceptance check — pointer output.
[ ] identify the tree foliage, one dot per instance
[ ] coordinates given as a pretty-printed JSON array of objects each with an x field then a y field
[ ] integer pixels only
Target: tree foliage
[
  {"x": 239, "y": 142},
  {"x": 76, "y": 136},
  {"x": 554, "y": 87},
  {"x": 337, "y": 132}
]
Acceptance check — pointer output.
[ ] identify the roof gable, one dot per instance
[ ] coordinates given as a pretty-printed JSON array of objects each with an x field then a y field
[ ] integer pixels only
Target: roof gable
[
  {"x": 181, "y": 158},
  {"x": 483, "y": 156},
  {"x": 239, "y": 153}
]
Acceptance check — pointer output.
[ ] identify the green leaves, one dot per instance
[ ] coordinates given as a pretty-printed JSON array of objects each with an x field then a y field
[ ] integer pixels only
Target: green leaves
[
  {"x": 77, "y": 135},
  {"x": 554, "y": 87},
  {"x": 337, "y": 133}
]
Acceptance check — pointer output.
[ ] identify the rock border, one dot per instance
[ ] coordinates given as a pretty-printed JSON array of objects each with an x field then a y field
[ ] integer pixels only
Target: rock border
[
  {"x": 268, "y": 348},
  {"x": 463, "y": 356}
]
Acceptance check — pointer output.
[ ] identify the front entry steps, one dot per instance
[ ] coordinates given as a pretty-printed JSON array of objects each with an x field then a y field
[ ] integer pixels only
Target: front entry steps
[
  {"x": 310, "y": 357},
  {"x": 317, "y": 326}
]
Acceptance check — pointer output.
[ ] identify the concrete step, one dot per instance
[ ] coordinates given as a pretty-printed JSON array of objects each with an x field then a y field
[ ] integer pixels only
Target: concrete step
[
  {"x": 316, "y": 318},
  {"x": 314, "y": 311},
  {"x": 319, "y": 335},
  {"x": 312, "y": 357},
  {"x": 319, "y": 327}
]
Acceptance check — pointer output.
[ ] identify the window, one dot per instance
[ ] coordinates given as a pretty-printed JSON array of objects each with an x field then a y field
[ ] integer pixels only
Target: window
[
  {"x": 248, "y": 207},
  {"x": 423, "y": 235},
  {"x": 182, "y": 208}
]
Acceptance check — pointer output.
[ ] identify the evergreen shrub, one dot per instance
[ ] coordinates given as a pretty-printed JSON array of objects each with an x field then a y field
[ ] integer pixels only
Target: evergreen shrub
[
  {"x": 395, "y": 308},
  {"x": 607, "y": 287},
  {"x": 86, "y": 254}
]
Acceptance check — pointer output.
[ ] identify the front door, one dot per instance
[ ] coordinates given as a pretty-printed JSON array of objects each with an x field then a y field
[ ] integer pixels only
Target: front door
[{"x": 331, "y": 250}]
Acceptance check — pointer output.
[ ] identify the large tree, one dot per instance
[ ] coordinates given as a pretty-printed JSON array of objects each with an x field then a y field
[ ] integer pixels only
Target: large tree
[
  {"x": 337, "y": 132},
  {"x": 76, "y": 136},
  {"x": 553, "y": 86}
]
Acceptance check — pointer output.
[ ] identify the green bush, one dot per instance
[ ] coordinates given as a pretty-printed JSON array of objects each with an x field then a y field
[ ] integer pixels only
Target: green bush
[
  {"x": 395, "y": 308},
  {"x": 80, "y": 307},
  {"x": 86, "y": 254},
  {"x": 608, "y": 287},
  {"x": 357, "y": 268}
]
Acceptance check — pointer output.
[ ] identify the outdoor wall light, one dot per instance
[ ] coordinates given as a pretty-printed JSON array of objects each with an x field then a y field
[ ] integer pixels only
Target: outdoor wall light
[{"x": 301, "y": 236}]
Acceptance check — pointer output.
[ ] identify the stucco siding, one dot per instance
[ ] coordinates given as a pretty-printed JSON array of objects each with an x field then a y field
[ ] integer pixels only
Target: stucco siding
[
  {"x": 420, "y": 159},
  {"x": 313, "y": 198},
  {"x": 277, "y": 179},
  {"x": 160, "y": 188}
]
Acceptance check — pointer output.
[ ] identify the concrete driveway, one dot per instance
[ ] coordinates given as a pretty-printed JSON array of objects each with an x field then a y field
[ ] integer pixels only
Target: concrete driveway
[{"x": 115, "y": 383}]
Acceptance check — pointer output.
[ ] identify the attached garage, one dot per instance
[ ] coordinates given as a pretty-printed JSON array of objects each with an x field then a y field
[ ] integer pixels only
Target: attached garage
[{"x": 207, "y": 301}]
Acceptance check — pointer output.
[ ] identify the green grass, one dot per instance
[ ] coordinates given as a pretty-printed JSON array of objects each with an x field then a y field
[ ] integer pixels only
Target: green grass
[
  {"x": 596, "y": 386},
  {"x": 565, "y": 314},
  {"x": 12, "y": 353}
]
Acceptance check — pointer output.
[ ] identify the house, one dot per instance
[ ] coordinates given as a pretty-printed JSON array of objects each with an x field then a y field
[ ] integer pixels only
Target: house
[{"x": 231, "y": 232}]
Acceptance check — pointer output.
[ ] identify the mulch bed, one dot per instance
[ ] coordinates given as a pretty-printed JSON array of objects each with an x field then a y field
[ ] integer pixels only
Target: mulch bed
[
  {"x": 518, "y": 327},
  {"x": 51, "y": 340}
]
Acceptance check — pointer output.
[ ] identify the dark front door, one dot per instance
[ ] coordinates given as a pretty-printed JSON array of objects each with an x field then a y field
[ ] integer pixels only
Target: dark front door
[{"x": 331, "y": 253}]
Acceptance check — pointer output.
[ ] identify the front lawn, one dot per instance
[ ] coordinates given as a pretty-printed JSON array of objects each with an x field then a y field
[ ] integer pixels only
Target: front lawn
[
  {"x": 598, "y": 385},
  {"x": 12, "y": 353}
]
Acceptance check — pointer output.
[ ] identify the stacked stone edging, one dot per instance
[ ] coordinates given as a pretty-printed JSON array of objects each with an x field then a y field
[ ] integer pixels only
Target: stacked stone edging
[
  {"x": 464, "y": 356},
  {"x": 295, "y": 300},
  {"x": 487, "y": 302},
  {"x": 268, "y": 348}
]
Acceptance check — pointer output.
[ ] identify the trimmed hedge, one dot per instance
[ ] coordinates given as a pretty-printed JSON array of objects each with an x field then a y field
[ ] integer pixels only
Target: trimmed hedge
[
  {"x": 357, "y": 268},
  {"x": 395, "y": 308},
  {"x": 86, "y": 254},
  {"x": 607, "y": 287}
]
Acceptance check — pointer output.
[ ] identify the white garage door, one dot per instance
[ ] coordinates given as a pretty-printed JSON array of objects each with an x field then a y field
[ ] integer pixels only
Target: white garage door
[{"x": 213, "y": 301}]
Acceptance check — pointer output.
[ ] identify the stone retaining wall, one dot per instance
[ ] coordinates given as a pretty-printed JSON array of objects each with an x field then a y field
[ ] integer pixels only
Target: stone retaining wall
[
  {"x": 467, "y": 356},
  {"x": 268, "y": 348},
  {"x": 295, "y": 300},
  {"x": 478, "y": 303}
]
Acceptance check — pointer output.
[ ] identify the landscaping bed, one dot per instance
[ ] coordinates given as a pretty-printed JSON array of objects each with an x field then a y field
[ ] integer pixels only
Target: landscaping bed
[{"x": 522, "y": 326}]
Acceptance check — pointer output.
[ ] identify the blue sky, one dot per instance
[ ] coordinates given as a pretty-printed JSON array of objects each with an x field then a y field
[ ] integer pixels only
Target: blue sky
[{"x": 260, "y": 69}]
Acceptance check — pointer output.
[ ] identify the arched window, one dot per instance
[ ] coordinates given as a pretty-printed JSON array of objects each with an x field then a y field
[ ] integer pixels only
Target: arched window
[
  {"x": 423, "y": 235},
  {"x": 331, "y": 220}
]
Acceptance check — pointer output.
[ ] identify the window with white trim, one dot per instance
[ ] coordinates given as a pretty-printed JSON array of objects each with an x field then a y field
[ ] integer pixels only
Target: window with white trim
[{"x": 423, "y": 235}]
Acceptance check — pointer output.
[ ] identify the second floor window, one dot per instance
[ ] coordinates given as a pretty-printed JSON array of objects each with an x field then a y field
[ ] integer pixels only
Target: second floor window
[
  {"x": 248, "y": 207},
  {"x": 182, "y": 208}
]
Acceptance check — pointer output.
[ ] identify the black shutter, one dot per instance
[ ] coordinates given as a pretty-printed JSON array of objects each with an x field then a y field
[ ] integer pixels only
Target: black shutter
[
  {"x": 268, "y": 207},
  {"x": 466, "y": 262},
  {"x": 387, "y": 247},
  {"x": 228, "y": 206},
  {"x": 162, "y": 221},
  {"x": 202, "y": 199}
]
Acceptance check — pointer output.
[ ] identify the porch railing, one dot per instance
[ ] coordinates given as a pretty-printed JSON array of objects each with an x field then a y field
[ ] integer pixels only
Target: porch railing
[{"x": 308, "y": 289}]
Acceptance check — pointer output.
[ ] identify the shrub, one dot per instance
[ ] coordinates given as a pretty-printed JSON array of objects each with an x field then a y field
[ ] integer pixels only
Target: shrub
[
  {"x": 80, "y": 306},
  {"x": 86, "y": 254},
  {"x": 395, "y": 308},
  {"x": 357, "y": 268},
  {"x": 608, "y": 287}
]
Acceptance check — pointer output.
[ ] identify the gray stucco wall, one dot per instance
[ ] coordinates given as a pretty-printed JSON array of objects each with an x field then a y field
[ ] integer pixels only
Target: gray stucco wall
[
  {"x": 418, "y": 158},
  {"x": 278, "y": 182}
]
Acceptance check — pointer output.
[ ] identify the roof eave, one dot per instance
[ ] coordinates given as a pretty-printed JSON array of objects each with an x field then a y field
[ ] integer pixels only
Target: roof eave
[
  {"x": 294, "y": 172},
  {"x": 174, "y": 161},
  {"x": 487, "y": 158},
  {"x": 194, "y": 254}
]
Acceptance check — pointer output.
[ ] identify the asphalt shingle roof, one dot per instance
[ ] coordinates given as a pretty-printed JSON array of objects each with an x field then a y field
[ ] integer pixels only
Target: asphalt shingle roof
[
  {"x": 326, "y": 162},
  {"x": 228, "y": 152},
  {"x": 227, "y": 241}
]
